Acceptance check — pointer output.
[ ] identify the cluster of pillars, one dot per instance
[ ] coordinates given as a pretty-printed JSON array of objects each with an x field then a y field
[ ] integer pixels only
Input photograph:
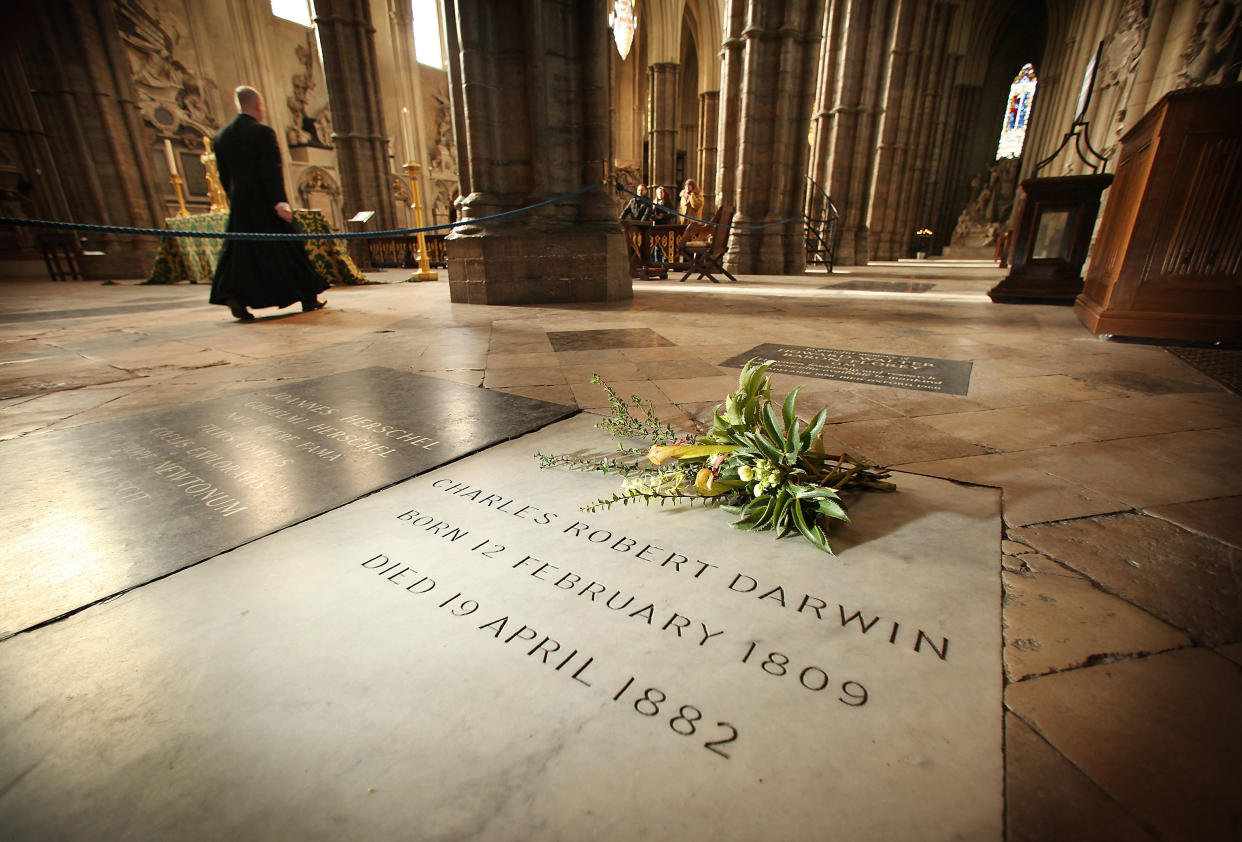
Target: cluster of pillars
[
  {"x": 530, "y": 94},
  {"x": 887, "y": 131}
]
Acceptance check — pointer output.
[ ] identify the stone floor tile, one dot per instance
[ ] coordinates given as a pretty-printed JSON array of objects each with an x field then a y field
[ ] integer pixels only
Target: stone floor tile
[
  {"x": 563, "y": 395},
  {"x": 592, "y": 396},
  {"x": 1031, "y": 495},
  {"x": 1190, "y": 581},
  {"x": 537, "y": 376},
  {"x": 602, "y": 356},
  {"x": 1043, "y": 425},
  {"x": 1145, "y": 383},
  {"x": 1153, "y": 470},
  {"x": 1220, "y": 519},
  {"x": 28, "y": 415},
  {"x": 1064, "y": 387},
  {"x": 667, "y": 352},
  {"x": 897, "y": 441},
  {"x": 608, "y": 372},
  {"x": 915, "y": 404},
  {"x": 53, "y": 370},
  {"x": 842, "y": 406},
  {"x": 468, "y": 376},
  {"x": 503, "y": 359},
  {"x": 1048, "y": 799},
  {"x": 1181, "y": 411},
  {"x": 1160, "y": 735},
  {"x": 1056, "y": 619},
  {"x": 701, "y": 389},
  {"x": 676, "y": 369}
]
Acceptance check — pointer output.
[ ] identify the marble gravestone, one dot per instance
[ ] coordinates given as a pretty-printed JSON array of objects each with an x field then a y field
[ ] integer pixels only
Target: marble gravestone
[
  {"x": 468, "y": 655},
  {"x": 94, "y": 510}
]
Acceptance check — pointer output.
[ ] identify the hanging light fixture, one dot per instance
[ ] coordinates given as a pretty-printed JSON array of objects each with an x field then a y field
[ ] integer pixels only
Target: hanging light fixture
[{"x": 624, "y": 21}]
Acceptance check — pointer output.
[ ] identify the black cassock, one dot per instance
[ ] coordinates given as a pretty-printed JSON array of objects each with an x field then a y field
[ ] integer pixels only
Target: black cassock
[{"x": 258, "y": 274}]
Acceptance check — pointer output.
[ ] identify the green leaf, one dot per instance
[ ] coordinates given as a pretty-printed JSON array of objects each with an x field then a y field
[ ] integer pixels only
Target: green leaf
[
  {"x": 764, "y": 447},
  {"x": 817, "y": 424},
  {"x": 795, "y": 440},
  {"x": 833, "y": 510},
  {"x": 772, "y": 428},
  {"x": 788, "y": 409}
]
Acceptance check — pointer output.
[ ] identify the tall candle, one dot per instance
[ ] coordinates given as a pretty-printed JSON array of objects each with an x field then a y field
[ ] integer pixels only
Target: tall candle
[
  {"x": 407, "y": 135},
  {"x": 172, "y": 160}
]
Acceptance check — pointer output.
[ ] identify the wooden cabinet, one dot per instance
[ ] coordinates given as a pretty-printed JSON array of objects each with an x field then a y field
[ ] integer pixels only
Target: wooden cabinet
[{"x": 1167, "y": 262}]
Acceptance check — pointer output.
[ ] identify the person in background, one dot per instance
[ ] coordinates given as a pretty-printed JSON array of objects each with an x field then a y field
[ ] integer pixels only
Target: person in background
[
  {"x": 662, "y": 213},
  {"x": 253, "y": 273},
  {"x": 690, "y": 202},
  {"x": 638, "y": 208}
]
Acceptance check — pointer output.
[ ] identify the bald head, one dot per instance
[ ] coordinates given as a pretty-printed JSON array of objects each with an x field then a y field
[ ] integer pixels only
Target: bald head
[{"x": 249, "y": 101}]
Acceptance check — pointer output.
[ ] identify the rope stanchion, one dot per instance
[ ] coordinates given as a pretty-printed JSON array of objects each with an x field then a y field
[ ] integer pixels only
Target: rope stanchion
[
  {"x": 260, "y": 237},
  {"x": 647, "y": 201}
]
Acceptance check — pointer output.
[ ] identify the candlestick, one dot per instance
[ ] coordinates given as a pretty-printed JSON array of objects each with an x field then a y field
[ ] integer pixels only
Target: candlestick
[
  {"x": 172, "y": 159},
  {"x": 425, "y": 272},
  {"x": 407, "y": 135},
  {"x": 177, "y": 181}
]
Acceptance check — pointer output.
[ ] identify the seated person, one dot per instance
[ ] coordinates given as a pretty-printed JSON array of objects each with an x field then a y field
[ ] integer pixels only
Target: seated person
[
  {"x": 691, "y": 200},
  {"x": 637, "y": 209},
  {"x": 662, "y": 213}
]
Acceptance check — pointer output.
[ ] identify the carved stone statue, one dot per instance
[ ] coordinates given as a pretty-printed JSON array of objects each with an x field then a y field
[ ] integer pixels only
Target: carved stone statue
[
  {"x": 305, "y": 129},
  {"x": 173, "y": 99},
  {"x": 1213, "y": 53},
  {"x": 990, "y": 205}
]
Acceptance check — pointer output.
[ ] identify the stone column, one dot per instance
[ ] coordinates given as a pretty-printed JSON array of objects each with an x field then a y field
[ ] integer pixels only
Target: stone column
[
  {"x": 779, "y": 47},
  {"x": 894, "y": 141},
  {"x": 79, "y": 82},
  {"x": 921, "y": 171},
  {"x": 663, "y": 86},
  {"x": 534, "y": 92},
  {"x": 730, "y": 115},
  {"x": 352, "y": 78},
  {"x": 457, "y": 108},
  {"x": 844, "y": 125},
  {"x": 709, "y": 119}
]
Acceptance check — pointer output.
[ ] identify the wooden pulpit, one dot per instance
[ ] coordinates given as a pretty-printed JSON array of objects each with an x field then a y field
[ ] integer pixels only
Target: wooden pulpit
[{"x": 1167, "y": 262}]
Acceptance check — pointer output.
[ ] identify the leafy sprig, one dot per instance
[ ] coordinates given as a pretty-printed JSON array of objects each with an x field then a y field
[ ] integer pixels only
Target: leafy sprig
[{"x": 770, "y": 470}]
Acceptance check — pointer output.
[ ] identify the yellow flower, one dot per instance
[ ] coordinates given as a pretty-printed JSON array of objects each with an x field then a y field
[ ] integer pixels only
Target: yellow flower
[
  {"x": 660, "y": 453},
  {"x": 704, "y": 481}
]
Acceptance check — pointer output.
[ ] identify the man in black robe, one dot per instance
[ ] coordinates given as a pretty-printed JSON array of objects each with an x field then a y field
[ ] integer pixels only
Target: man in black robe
[{"x": 253, "y": 273}]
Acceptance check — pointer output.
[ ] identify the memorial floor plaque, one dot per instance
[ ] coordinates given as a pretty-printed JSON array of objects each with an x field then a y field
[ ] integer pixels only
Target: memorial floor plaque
[
  {"x": 924, "y": 374},
  {"x": 882, "y": 286},
  {"x": 94, "y": 510},
  {"x": 470, "y": 655}
]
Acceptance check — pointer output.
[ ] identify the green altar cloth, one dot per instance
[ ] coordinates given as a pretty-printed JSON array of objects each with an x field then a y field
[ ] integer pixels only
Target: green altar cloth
[{"x": 193, "y": 259}]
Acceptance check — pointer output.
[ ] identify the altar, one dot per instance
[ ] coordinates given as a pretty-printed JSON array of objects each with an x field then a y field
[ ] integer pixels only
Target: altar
[{"x": 194, "y": 259}]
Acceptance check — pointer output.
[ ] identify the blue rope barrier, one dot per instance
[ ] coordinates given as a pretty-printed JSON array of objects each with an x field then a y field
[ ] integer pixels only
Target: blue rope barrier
[
  {"x": 255, "y": 236},
  {"x": 647, "y": 201}
]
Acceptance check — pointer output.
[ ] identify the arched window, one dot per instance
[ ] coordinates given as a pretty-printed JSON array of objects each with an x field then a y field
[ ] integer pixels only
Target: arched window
[{"x": 1017, "y": 113}]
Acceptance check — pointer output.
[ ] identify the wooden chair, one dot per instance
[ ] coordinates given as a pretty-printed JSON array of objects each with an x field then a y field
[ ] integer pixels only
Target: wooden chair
[
  {"x": 60, "y": 255},
  {"x": 705, "y": 245}
]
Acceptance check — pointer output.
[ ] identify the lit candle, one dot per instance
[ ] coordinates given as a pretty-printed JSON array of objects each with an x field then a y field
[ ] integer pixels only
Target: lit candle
[
  {"x": 407, "y": 135},
  {"x": 172, "y": 159}
]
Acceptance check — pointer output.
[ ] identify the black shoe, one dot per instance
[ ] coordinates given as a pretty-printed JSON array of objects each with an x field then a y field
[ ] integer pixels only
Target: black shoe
[
  {"x": 313, "y": 304},
  {"x": 239, "y": 311}
]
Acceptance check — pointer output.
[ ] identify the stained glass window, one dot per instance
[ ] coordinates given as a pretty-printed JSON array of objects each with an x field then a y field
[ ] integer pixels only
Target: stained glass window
[{"x": 1017, "y": 114}]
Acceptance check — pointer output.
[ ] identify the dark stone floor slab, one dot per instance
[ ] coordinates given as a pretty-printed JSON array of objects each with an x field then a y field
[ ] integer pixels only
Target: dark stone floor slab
[
  {"x": 96, "y": 510},
  {"x": 923, "y": 374},
  {"x": 883, "y": 286},
  {"x": 593, "y": 340}
]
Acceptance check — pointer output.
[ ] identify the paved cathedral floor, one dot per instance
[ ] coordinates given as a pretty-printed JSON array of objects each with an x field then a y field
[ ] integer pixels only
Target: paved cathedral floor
[{"x": 1121, "y": 557}]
